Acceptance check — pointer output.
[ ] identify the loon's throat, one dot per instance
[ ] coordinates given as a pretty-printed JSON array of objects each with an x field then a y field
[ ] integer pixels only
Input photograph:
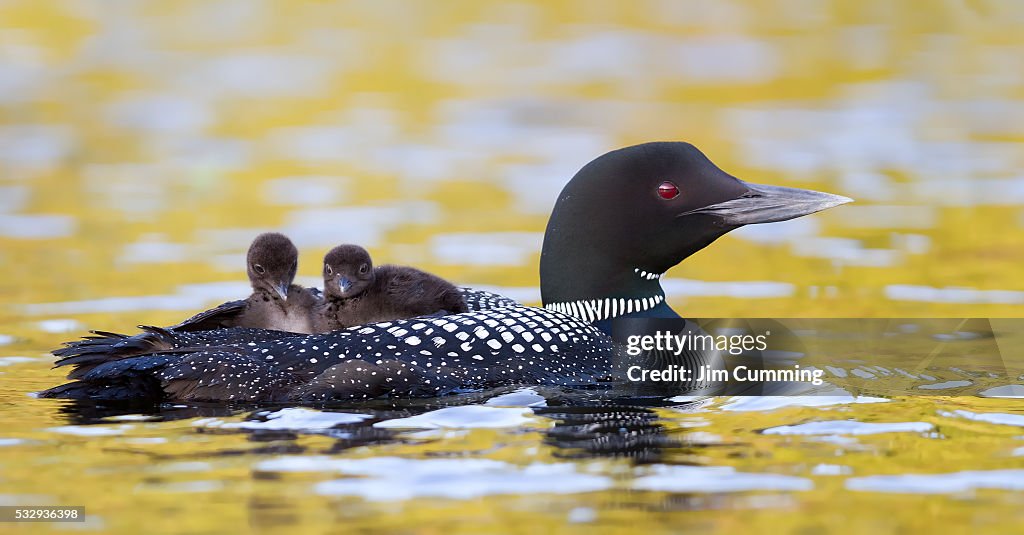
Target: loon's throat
[
  {"x": 592, "y": 310},
  {"x": 592, "y": 296}
]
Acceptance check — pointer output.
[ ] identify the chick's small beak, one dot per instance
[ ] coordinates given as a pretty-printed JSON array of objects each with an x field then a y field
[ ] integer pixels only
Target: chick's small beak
[
  {"x": 344, "y": 283},
  {"x": 282, "y": 289}
]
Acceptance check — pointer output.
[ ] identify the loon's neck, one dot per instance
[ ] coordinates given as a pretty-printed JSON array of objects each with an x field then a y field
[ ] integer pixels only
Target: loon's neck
[{"x": 635, "y": 293}]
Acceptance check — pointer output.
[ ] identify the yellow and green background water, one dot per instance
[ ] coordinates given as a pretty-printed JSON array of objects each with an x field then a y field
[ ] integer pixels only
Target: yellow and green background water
[{"x": 144, "y": 144}]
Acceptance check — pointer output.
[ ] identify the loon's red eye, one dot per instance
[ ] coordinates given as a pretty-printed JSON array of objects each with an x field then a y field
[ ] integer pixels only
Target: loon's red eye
[{"x": 668, "y": 190}]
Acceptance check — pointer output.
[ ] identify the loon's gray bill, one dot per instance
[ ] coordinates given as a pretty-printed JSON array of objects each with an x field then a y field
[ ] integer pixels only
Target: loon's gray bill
[{"x": 768, "y": 204}]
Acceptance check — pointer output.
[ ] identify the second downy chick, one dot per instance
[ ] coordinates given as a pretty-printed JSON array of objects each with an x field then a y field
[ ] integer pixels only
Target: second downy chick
[{"x": 356, "y": 292}]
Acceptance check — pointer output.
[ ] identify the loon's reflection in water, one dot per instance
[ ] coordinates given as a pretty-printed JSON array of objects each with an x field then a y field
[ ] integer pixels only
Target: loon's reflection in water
[
  {"x": 584, "y": 423},
  {"x": 88, "y": 412},
  {"x": 606, "y": 431}
]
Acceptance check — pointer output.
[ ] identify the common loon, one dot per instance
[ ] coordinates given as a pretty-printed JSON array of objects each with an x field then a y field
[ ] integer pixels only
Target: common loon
[
  {"x": 356, "y": 292},
  {"x": 620, "y": 222}
]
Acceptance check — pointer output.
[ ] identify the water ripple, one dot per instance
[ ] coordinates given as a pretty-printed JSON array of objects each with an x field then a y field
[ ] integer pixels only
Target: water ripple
[{"x": 950, "y": 483}]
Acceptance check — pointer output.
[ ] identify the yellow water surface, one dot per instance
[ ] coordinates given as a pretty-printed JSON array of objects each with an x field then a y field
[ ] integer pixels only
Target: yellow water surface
[{"x": 144, "y": 144}]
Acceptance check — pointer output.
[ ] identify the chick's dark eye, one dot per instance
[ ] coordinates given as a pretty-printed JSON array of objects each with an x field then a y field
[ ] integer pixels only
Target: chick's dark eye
[
  {"x": 258, "y": 269},
  {"x": 668, "y": 190},
  {"x": 328, "y": 270},
  {"x": 363, "y": 268}
]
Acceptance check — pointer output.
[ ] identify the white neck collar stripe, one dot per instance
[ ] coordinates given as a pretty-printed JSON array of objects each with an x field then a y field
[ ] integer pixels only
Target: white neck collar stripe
[{"x": 598, "y": 309}]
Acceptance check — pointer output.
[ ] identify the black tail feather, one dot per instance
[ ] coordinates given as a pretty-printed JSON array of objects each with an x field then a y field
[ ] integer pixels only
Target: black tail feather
[
  {"x": 135, "y": 390},
  {"x": 120, "y": 380},
  {"x": 103, "y": 347},
  {"x": 91, "y": 352}
]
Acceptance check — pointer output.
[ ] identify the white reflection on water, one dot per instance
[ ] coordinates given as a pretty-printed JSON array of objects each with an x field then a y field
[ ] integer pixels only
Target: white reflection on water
[
  {"x": 366, "y": 225},
  {"x": 152, "y": 249},
  {"x": 801, "y": 236},
  {"x": 780, "y": 233},
  {"x": 617, "y": 56},
  {"x": 463, "y": 417},
  {"x": 246, "y": 75},
  {"x": 863, "y": 374},
  {"x": 914, "y": 292},
  {"x": 848, "y": 251},
  {"x": 849, "y": 427},
  {"x": 159, "y": 113},
  {"x": 486, "y": 248},
  {"x": 62, "y": 325},
  {"x": 838, "y": 372},
  {"x": 881, "y": 216},
  {"x": 290, "y": 418},
  {"x": 188, "y": 297},
  {"x": 131, "y": 418},
  {"x": 831, "y": 470},
  {"x": 13, "y": 197},
  {"x": 460, "y": 482},
  {"x": 305, "y": 190},
  {"x": 312, "y": 227},
  {"x": 876, "y": 127},
  {"x": 1005, "y": 391},
  {"x": 182, "y": 486},
  {"x": 987, "y": 417},
  {"x": 940, "y": 483},
  {"x": 91, "y": 430},
  {"x": 145, "y": 440},
  {"x": 739, "y": 289},
  {"x": 138, "y": 189},
  {"x": 30, "y": 148},
  {"x": 317, "y": 144},
  {"x": 716, "y": 479},
  {"x": 835, "y": 396},
  {"x": 523, "y": 397},
  {"x": 8, "y": 361},
  {"x": 945, "y": 385},
  {"x": 23, "y": 70},
  {"x": 36, "y": 226},
  {"x": 396, "y": 478}
]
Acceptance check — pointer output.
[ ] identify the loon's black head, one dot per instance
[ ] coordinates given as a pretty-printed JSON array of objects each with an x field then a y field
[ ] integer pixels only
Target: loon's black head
[
  {"x": 348, "y": 271},
  {"x": 272, "y": 262},
  {"x": 631, "y": 214}
]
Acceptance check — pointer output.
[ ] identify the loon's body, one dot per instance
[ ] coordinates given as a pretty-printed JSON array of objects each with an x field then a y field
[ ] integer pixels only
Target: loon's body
[
  {"x": 356, "y": 292},
  {"x": 624, "y": 218}
]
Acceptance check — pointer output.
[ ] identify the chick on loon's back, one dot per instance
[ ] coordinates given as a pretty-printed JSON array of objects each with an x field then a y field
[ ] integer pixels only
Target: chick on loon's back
[
  {"x": 357, "y": 292},
  {"x": 275, "y": 303}
]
